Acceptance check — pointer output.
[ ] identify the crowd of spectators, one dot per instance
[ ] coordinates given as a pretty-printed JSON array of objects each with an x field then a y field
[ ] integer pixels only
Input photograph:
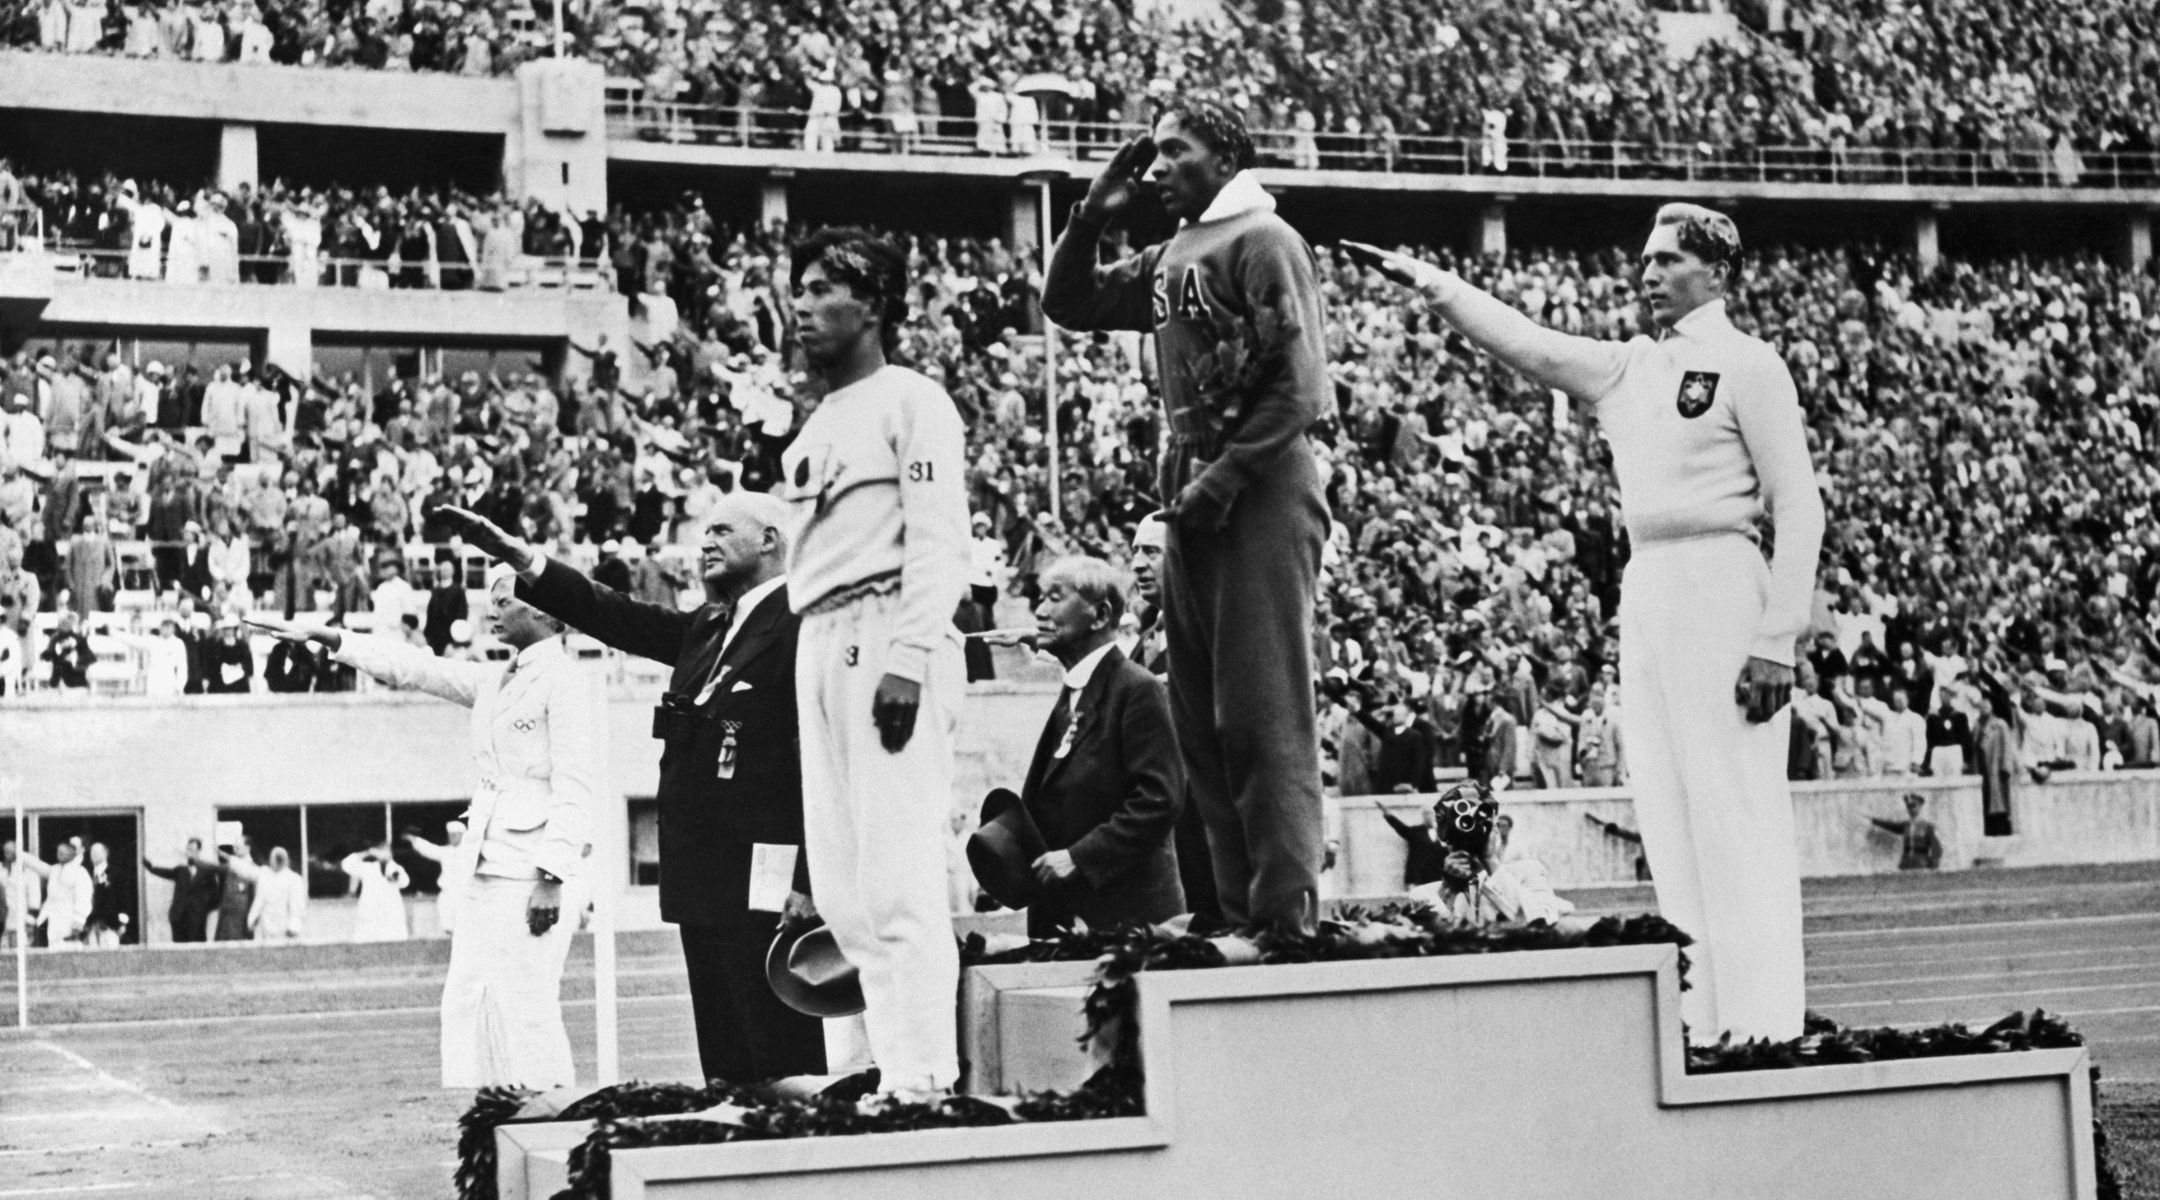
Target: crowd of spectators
[
  {"x": 1990, "y": 573},
  {"x": 280, "y": 233},
  {"x": 1982, "y": 434},
  {"x": 466, "y": 39},
  {"x": 2048, "y": 80}
]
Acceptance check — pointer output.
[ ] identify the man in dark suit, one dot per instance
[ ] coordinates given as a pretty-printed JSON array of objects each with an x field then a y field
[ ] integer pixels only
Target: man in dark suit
[
  {"x": 731, "y": 825},
  {"x": 1407, "y": 742},
  {"x": 1106, "y": 785},
  {"x": 446, "y": 606},
  {"x": 1196, "y": 870},
  {"x": 195, "y": 893}
]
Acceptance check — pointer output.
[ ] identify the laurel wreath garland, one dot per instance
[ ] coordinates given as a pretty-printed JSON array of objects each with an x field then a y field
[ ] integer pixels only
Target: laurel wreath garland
[
  {"x": 620, "y": 1113},
  {"x": 1248, "y": 352}
]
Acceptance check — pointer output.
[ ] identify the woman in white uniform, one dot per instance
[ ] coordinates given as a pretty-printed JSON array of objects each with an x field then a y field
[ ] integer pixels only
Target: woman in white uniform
[{"x": 539, "y": 737}]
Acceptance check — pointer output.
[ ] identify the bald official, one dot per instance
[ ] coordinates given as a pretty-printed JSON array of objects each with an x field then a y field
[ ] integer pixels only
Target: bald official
[
  {"x": 1706, "y": 433},
  {"x": 732, "y": 863}
]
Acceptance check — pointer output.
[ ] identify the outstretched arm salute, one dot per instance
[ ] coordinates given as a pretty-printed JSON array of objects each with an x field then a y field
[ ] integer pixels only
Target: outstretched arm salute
[{"x": 1584, "y": 368}]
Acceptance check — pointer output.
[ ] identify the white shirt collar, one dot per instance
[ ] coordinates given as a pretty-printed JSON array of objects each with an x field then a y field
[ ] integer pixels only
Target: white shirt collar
[
  {"x": 1702, "y": 320},
  {"x": 1077, "y": 675},
  {"x": 532, "y": 654},
  {"x": 1243, "y": 194},
  {"x": 748, "y": 604}
]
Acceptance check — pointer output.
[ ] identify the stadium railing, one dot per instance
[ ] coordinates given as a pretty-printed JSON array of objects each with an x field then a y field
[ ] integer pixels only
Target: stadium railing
[
  {"x": 736, "y": 127},
  {"x": 529, "y": 271}
]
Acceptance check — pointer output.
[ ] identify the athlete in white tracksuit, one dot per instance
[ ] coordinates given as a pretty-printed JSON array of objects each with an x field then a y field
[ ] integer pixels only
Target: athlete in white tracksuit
[
  {"x": 878, "y": 563},
  {"x": 1706, "y": 432}
]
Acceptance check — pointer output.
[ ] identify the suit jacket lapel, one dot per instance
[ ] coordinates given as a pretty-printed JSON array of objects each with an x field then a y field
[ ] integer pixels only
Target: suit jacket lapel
[
  {"x": 1039, "y": 767},
  {"x": 709, "y": 626},
  {"x": 508, "y": 690},
  {"x": 760, "y": 632},
  {"x": 1087, "y": 707}
]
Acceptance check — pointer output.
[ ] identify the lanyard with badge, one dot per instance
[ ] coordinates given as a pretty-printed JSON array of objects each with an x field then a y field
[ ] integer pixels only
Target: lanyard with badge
[{"x": 730, "y": 731}]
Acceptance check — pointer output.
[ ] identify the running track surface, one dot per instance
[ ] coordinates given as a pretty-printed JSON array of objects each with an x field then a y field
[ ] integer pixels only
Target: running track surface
[{"x": 344, "y": 1104}]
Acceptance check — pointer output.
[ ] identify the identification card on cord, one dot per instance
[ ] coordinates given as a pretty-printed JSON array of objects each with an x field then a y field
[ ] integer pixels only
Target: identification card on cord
[
  {"x": 724, "y": 764},
  {"x": 772, "y": 876}
]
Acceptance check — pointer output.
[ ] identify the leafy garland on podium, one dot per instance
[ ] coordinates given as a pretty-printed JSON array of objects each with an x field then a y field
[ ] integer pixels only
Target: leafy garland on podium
[{"x": 721, "y": 1112}]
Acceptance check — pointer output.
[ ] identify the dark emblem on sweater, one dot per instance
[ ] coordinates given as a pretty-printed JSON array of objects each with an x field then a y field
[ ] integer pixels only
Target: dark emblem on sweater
[{"x": 1697, "y": 389}]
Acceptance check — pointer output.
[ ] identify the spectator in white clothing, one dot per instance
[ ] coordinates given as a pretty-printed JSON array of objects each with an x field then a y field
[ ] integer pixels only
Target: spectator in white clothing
[
  {"x": 280, "y": 908},
  {"x": 67, "y": 898},
  {"x": 1904, "y": 737},
  {"x": 22, "y": 893}
]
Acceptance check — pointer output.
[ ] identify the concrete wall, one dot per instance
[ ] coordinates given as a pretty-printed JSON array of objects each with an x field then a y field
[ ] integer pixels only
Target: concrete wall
[
  {"x": 270, "y": 95},
  {"x": 177, "y": 762},
  {"x": 556, "y": 149},
  {"x": 2083, "y": 818},
  {"x": 288, "y": 320}
]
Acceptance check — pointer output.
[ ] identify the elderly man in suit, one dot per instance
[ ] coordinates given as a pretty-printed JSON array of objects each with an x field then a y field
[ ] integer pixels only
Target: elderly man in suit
[
  {"x": 539, "y": 737},
  {"x": 1106, "y": 784},
  {"x": 731, "y": 815}
]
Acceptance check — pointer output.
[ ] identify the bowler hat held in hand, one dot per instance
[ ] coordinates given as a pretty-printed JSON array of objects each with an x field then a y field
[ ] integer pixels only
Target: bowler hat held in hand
[{"x": 1004, "y": 849}]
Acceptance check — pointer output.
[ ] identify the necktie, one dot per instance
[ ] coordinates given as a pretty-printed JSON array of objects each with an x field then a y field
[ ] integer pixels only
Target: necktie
[
  {"x": 712, "y": 683},
  {"x": 1061, "y": 721},
  {"x": 509, "y": 672}
]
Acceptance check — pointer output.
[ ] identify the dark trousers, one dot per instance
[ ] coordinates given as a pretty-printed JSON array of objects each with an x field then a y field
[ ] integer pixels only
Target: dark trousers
[
  {"x": 1238, "y": 611},
  {"x": 745, "y": 1034},
  {"x": 1196, "y": 869},
  {"x": 188, "y": 924}
]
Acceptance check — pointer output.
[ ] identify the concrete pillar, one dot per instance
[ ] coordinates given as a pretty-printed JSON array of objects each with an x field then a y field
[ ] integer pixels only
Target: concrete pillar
[
  {"x": 238, "y": 162},
  {"x": 1490, "y": 236},
  {"x": 557, "y": 149},
  {"x": 1927, "y": 238},
  {"x": 289, "y": 342},
  {"x": 773, "y": 199},
  {"x": 1023, "y": 226},
  {"x": 2134, "y": 248}
]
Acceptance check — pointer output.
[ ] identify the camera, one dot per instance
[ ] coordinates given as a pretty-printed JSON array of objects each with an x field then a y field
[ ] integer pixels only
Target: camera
[
  {"x": 676, "y": 717},
  {"x": 1466, "y": 813}
]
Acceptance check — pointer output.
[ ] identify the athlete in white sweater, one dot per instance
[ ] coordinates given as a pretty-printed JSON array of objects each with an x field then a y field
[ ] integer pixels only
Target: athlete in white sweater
[
  {"x": 877, "y": 565},
  {"x": 1706, "y": 433}
]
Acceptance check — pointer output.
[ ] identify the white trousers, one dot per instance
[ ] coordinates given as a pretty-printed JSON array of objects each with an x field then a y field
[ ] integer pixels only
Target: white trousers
[
  {"x": 502, "y": 1021},
  {"x": 874, "y": 826},
  {"x": 1709, "y": 787}
]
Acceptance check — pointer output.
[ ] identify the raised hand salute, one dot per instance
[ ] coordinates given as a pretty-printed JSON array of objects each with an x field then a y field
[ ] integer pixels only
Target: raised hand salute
[
  {"x": 298, "y": 631},
  {"x": 1121, "y": 179},
  {"x": 487, "y": 537}
]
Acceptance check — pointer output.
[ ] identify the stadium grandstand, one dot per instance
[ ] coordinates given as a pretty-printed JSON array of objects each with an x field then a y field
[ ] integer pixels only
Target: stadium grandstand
[{"x": 260, "y": 318}]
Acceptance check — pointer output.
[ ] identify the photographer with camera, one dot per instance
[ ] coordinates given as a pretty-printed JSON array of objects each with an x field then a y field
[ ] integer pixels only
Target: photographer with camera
[{"x": 1480, "y": 882}]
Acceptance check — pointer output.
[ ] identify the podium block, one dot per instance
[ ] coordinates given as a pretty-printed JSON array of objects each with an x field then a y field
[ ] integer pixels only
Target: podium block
[
  {"x": 1546, "y": 1074},
  {"x": 533, "y": 1160},
  {"x": 1043, "y": 999}
]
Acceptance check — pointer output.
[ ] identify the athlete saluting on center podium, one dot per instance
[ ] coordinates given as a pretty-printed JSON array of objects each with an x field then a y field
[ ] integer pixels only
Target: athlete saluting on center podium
[
  {"x": 1706, "y": 433},
  {"x": 1233, "y": 299}
]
